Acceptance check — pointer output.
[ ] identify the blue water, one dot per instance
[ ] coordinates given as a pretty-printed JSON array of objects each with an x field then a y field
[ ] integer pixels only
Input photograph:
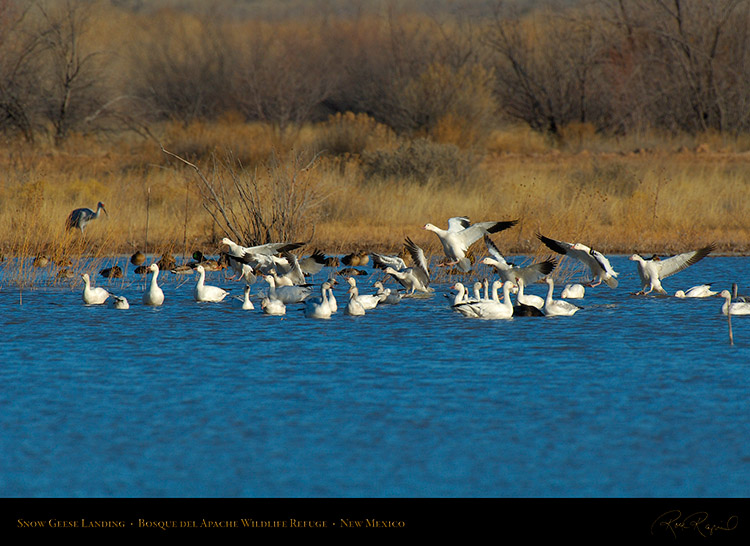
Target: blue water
[{"x": 631, "y": 397}]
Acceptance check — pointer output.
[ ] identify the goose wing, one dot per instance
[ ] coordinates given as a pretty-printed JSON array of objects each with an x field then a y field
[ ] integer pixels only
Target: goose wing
[
  {"x": 677, "y": 263},
  {"x": 421, "y": 269}
]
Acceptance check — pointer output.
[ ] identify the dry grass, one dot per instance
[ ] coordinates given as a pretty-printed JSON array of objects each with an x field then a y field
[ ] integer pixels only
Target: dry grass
[{"x": 685, "y": 194}]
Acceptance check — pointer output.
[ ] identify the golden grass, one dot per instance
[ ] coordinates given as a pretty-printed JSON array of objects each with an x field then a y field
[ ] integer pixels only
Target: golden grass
[{"x": 688, "y": 193}]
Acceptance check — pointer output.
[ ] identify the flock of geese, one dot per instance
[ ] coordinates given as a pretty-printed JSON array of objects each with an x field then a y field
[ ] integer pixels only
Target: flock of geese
[{"x": 287, "y": 277}]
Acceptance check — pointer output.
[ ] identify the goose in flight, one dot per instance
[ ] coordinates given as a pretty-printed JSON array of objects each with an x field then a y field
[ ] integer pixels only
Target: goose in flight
[
  {"x": 461, "y": 234},
  {"x": 416, "y": 278},
  {"x": 204, "y": 292},
  {"x": 79, "y": 218},
  {"x": 510, "y": 272},
  {"x": 736, "y": 308},
  {"x": 598, "y": 264},
  {"x": 93, "y": 296},
  {"x": 382, "y": 261},
  {"x": 554, "y": 307},
  {"x": 653, "y": 270},
  {"x": 260, "y": 257},
  {"x": 154, "y": 295}
]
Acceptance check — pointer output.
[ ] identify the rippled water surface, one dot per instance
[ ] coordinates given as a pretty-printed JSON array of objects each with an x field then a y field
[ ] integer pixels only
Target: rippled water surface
[{"x": 631, "y": 397}]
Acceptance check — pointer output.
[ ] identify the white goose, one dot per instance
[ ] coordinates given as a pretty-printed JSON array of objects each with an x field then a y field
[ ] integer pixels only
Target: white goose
[
  {"x": 416, "y": 278},
  {"x": 492, "y": 308},
  {"x": 154, "y": 295},
  {"x": 93, "y": 296},
  {"x": 246, "y": 303},
  {"x": 700, "y": 291},
  {"x": 736, "y": 308},
  {"x": 388, "y": 296},
  {"x": 528, "y": 299},
  {"x": 510, "y": 272},
  {"x": 272, "y": 306},
  {"x": 460, "y": 296},
  {"x": 368, "y": 301},
  {"x": 287, "y": 294},
  {"x": 598, "y": 264},
  {"x": 204, "y": 292},
  {"x": 573, "y": 291},
  {"x": 553, "y": 308},
  {"x": 354, "y": 307},
  {"x": 120, "y": 302},
  {"x": 461, "y": 234},
  {"x": 319, "y": 307},
  {"x": 653, "y": 270}
]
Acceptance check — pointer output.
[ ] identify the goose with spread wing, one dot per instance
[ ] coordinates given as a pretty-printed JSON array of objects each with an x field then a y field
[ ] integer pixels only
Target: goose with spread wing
[
  {"x": 651, "y": 271},
  {"x": 598, "y": 264},
  {"x": 510, "y": 272},
  {"x": 699, "y": 291},
  {"x": 461, "y": 234},
  {"x": 416, "y": 278}
]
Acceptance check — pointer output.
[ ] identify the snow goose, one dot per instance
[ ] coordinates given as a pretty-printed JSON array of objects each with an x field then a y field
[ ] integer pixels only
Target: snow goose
[
  {"x": 736, "y": 308},
  {"x": 573, "y": 291},
  {"x": 272, "y": 306},
  {"x": 260, "y": 257},
  {"x": 461, "y": 234},
  {"x": 319, "y": 307},
  {"x": 700, "y": 291},
  {"x": 246, "y": 303},
  {"x": 381, "y": 261},
  {"x": 287, "y": 294},
  {"x": 154, "y": 295},
  {"x": 492, "y": 308},
  {"x": 120, "y": 302},
  {"x": 388, "y": 296},
  {"x": 312, "y": 264},
  {"x": 93, "y": 296},
  {"x": 416, "y": 278},
  {"x": 510, "y": 272},
  {"x": 598, "y": 264},
  {"x": 553, "y": 307},
  {"x": 368, "y": 301},
  {"x": 653, "y": 270},
  {"x": 528, "y": 299},
  {"x": 332, "y": 303},
  {"x": 204, "y": 292},
  {"x": 354, "y": 307},
  {"x": 460, "y": 296}
]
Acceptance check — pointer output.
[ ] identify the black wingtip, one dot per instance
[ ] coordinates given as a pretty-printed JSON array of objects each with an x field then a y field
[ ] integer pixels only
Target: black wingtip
[
  {"x": 551, "y": 244},
  {"x": 500, "y": 226}
]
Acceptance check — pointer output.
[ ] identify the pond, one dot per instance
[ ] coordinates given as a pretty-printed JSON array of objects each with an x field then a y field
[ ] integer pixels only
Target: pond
[{"x": 632, "y": 397}]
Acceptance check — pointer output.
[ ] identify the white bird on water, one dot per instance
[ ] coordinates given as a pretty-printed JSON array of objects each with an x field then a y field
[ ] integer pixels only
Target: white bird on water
[
  {"x": 528, "y": 299},
  {"x": 204, "y": 292},
  {"x": 416, "y": 278},
  {"x": 554, "y": 307},
  {"x": 154, "y": 295},
  {"x": 120, "y": 302},
  {"x": 80, "y": 217},
  {"x": 461, "y": 234},
  {"x": 597, "y": 263},
  {"x": 699, "y": 291},
  {"x": 319, "y": 307},
  {"x": 736, "y": 308},
  {"x": 93, "y": 296},
  {"x": 573, "y": 291},
  {"x": 653, "y": 270},
  {"x": 246, "y": 303},
  {"x": 492, "y": 308}
]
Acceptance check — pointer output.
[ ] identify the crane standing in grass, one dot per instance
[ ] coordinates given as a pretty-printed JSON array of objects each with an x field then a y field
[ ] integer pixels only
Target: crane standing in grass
[{"x": 79, "y": 218}]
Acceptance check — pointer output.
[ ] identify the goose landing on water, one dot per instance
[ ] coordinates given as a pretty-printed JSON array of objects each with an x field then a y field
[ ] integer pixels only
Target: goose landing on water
[
  {"x": 598, "y": 264},
  {"x": 653, "y": 270},
  {"x": 461, "y": 234}
]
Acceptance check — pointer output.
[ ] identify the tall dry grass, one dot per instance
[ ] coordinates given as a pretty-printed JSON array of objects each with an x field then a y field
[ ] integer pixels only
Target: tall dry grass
[{"x": 624, "y": 197}]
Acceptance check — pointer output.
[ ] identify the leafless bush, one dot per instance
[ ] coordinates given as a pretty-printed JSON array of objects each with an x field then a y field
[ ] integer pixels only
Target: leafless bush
[{"x": 277, "y": 202}]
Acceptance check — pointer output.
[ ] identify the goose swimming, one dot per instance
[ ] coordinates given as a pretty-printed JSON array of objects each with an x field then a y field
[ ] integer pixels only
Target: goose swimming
[
  {"x": 554, "y": 307},
  {"x": 287, "y": 294},
  {"x": 653, "y": 270},
  {"x": 272, "y": 306},
  {"x": 387, "y": 295},
  {"x": 207, "y": 293},
  {"x": 461, "y": 234},
  {"x": 368, "y": 301},
  {"x": 120, "y": 302},
  {"x": 492, "y": 308},
  {"x": 528, "y": 299},
  {"x": 573, "y": 291},
  {"x": 319, "y": 307},
  {"x": 154, "y": 295},
  {"x": 598, "y": 264},
  {"x": 699, "y": 291},
  {"x": 354, "y": 307},
  {"x": 733, "y": 308},
  {"x": 93, "y": 296},
  {"x": 247, "y": 305}
]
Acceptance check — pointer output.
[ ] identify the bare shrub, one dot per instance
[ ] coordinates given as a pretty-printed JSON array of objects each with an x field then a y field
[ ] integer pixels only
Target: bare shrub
[
  {"x": 351, "y": 134},
  {"x": 279, "y": 201},
  {"x": 422, "y": 160}
]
